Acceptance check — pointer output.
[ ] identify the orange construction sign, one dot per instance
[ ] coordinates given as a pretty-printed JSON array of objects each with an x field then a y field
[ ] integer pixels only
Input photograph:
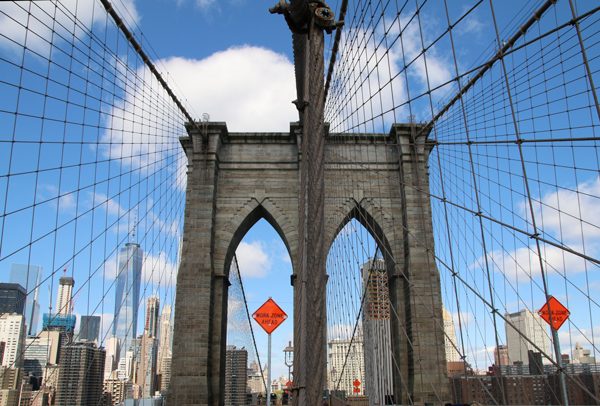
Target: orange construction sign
[
  {"x": 269, "y": 316},
  {"x": 560, "y": 314},
  {"x": 356, "y": 383}
]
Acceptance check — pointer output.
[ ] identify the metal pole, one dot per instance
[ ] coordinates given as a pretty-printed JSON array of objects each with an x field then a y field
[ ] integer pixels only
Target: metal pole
[
  {"x": 558, "y": 354},
  {"x": 269, "y": 374}
]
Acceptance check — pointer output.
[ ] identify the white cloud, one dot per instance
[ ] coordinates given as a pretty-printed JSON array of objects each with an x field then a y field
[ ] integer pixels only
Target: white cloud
[
  {"x": 233, "y": 306},
  {"x": 374, "y": 75},
  {"x": 348, "y": 229},
  {"x": 470, "y": 25},
  {"x": 181, "y": 172},
  {"x": 571, "y": 214},
  {"x": 108, "y": 269},
  {"x": 205, "y": 4},
  {"x": 250, "y": 88},
  {"x": 568, "y": 215},
  {"x": 285, "y": 257},
  {"x": 523, "y": 264},
  {"x": 253, "y": 261},
  {"x": 31, "y": 23},
  {"x": 112, "y": 207},
  {"x": 436, "y": 69},
  {"x": 568, "y": 338},
  {"x": 279, "y": 250},
  {"x": 157, "y": 270},
  {"x": 595, "y": 285},
  {"x": 66, "y": 202},
  {"x": 236, "y": 315},
  {"x": 480, "y": 358},
  {"x": 145, "y": 220},
  {"x": 465, "y": 318},
  {"x": 371, "y": 81}
]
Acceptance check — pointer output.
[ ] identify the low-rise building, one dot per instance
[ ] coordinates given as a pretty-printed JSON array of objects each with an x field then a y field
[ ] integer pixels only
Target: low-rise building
[
  {"x": 496, "y": 388},
  {"x": 116, "y": 391},
  {"x": 41, "y": 351},
  {"x": 9, "y": 386}
]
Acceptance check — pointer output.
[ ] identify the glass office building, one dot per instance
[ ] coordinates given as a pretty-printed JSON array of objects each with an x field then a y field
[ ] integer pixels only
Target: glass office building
[
  {"x": 90, "y": 328},
  {"x": 30, "y": 277},
  {"x": 127, "y": 300}
]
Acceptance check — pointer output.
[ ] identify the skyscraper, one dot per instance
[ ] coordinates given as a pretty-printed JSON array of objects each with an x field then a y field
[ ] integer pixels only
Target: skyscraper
[
  {"x": 63, "y": 320},
  {"x": 65, "y": 295},
  {"x": 12, "y": 332},
  {"x": 12, "y": 298},
  {"x": 532, "y": 326},
  {"x": 236, "y": 375},
  {"x": 164, "y": 348},
  {"x": 80, "y": 375},
  {"x": 452, "y": 354},
  {"x": 347, "y": 363},
  {"x": 165, "y": 373},
  {"x": 146, "y": 377},
  {"x": 378, "y": 384},
  {"x": 127, "y": 297},
  {"x": 30, "y": 277},
  {"x": 90, "y": 328},
  {"x": 113, "y": 347},
  {"x": 152, "y": 316},
  {"x": 40, "y": 352}
]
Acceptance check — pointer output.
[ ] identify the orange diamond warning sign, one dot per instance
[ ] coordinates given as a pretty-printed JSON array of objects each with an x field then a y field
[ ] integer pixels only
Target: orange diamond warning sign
[
  {"x": 269, "y": 316},
  {"x": 560, "y": 314}
]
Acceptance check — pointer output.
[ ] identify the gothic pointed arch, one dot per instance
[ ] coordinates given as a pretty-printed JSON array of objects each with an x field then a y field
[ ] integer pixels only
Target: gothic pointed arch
[
  {"x": 247, "y": 216},
  {"x": 361, "y": 211}
]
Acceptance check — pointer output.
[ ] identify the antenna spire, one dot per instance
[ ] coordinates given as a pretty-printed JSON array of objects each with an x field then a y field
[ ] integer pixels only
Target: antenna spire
[{"x": 134, "y": 223}]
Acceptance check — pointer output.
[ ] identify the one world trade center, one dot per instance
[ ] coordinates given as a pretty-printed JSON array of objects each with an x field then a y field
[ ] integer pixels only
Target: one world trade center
[{"x": 127, "y": 298}]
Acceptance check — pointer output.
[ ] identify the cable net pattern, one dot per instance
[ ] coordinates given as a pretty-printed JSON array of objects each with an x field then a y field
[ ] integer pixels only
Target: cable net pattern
[
  {"x": 240, "y": 334},
  {"x": 508, "y": 98},
  {"x": 91, "y": 162},
  {"x": 92, "y": 180}
]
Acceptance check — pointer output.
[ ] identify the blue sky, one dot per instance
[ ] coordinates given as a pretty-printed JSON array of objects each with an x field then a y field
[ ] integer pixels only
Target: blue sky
[{"x": 232, "y": 59}]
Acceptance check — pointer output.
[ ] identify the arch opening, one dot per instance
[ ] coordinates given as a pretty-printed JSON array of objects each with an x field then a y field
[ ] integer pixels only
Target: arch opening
[
  {"x": 359, "y": 335},
  {"x": 264, "y": 263},
  {"x": 255, "y": 215}
]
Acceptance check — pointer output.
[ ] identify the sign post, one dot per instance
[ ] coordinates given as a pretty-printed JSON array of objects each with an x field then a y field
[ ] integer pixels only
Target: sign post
[
  {"x": 555, "y": 314},
  {"x": 269, "y": 316}
]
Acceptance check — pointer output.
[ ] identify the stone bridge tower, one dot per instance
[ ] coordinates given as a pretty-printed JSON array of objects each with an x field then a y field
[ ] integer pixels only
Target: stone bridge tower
[{"x": 235, "y": 179}]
